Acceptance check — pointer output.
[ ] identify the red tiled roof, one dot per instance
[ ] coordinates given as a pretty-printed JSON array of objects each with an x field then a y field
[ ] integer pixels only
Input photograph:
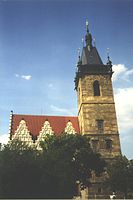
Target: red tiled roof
[{"x": 35, "y": 123}]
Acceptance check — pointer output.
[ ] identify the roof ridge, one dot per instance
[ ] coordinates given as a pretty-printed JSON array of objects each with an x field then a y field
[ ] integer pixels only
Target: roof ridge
[{"x": 42, "y": 115}]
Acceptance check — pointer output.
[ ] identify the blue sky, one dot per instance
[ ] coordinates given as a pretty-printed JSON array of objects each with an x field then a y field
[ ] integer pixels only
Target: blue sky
[{"x": 38, "y": 53}]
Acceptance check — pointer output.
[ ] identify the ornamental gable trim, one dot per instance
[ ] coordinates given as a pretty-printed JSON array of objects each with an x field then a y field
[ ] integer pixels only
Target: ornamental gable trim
[
  {"x": 69, "y": 128},
  {"x": 46, "y": 130},
  {"x": 22, "y": 133}
]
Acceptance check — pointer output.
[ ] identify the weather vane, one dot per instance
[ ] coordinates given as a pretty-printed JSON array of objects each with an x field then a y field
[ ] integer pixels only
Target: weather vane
[{"x": 87, "y": 25}]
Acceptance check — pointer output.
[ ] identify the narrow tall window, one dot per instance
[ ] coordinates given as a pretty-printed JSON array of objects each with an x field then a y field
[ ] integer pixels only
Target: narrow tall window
[
  {"x": 108, "y": 143},
  {"x": 100, "y": 125},
  {"x": 94, "y": 144},
  {"x": 96, "y": 88}
]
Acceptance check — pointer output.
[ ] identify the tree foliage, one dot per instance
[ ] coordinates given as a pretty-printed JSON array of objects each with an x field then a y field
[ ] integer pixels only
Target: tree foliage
[
  {"x": 50, "y": 173},
  {"x": 70, "y": 159},
  {"x": 120, "y": 175},
  {"x": 18, "y": 171}
]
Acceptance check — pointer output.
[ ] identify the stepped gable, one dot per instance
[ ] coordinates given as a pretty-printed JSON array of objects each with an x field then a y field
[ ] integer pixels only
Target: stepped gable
[{"x": 36, "y": 122}]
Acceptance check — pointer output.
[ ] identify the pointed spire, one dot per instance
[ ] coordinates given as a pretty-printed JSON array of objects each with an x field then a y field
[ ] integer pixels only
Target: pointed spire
[
  {"x": 79, "y": 57},
  {"x": 108, "y": 58},
  {"x": 88, "y": 37}
]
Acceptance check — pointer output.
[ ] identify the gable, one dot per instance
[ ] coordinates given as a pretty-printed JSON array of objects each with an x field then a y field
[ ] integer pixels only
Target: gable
[{"x": 22, "y": 133}]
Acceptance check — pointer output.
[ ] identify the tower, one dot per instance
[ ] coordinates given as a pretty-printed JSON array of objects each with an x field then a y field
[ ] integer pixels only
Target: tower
[{"x": 96, "y": 107}]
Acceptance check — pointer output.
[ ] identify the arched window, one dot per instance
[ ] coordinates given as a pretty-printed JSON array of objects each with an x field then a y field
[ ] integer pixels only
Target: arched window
[{"x": 96, "y": 88}]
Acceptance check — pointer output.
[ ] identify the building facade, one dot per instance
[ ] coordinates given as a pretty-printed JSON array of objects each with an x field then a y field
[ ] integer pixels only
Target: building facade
[{"x": 96, "y": 111}]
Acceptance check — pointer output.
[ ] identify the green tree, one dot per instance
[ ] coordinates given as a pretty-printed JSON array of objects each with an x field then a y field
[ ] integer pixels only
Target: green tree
[
  {"x": 130, "y": 169},
  {"x": 120, "y": 175},
  {"x": 51, "y": 172},
  {"x": 18, "y": 171},
  {"x": 67, "y": 159}
]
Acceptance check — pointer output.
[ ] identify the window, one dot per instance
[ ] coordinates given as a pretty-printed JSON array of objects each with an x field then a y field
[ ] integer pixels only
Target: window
[
  {"x": 99, "y": 190},
  {"x": 96, "y": 88},
  {"x": 94, "y": 145},
  {"x": 100, "y": 125},
  {"x": 108, "y": 144}
]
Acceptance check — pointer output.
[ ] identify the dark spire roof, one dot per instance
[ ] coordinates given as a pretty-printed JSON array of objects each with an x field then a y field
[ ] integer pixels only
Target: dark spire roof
[
  {"x": 90, "y": 62},
  {"x": 90, "y": 54}
]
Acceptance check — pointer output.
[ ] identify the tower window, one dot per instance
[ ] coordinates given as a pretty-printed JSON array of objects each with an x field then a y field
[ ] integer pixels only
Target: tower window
[
  {"x": 94, "y": 145},
  {"x": 79, "y": 91},
  {"x": 100, "y": 125},
  {"x": 96, "y": 88},
  {"x": 108, "y": 144},
  {"x": 99, "y": 190}
]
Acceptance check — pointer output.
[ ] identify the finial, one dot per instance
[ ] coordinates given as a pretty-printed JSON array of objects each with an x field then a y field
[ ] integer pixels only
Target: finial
[
  {"x": 88, "y": 37},
  {"x": 79, "y": 58},
  {"x": 94, "y": 42},
  {"x": 107, "y": 52},
  {"x": 108, "y": 57},
  {"x": 87, "y": 25},
  {"x": 79, "y": 53},
  {"x": 11, "y": 112},
  {"x": 83, "y": 41}
]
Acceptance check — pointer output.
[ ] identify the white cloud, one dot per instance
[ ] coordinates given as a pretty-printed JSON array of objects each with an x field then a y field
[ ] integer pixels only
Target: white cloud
[
  {"x": 124, "y": 106},
  {"x": 4, "y": 139},
  {"x": 121, "y": 72},
  {"x": 129, "y": 72},
  {"x": 64, "y": 111},
  {"x": 124, "y": 109},
  {"x": 26, "y": 77},
  {"x": 118, "y": 69}
]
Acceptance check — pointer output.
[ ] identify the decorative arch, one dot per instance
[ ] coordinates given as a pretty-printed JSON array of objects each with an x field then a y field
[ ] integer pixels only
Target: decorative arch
[
  {"x": 69, "y": 128},
  {"x": 23, "y": 134},
  {"x": 96, "y": 88}
]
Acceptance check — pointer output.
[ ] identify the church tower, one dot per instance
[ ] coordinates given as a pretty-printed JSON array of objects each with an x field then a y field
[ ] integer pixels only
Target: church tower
[{"x": 96, "y": 107}]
